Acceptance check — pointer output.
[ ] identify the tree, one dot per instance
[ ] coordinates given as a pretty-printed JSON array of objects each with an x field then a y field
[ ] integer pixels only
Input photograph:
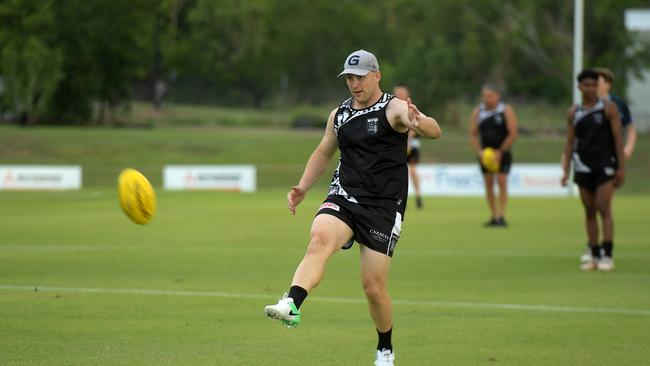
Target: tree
[{"x": 30, "y": 63}]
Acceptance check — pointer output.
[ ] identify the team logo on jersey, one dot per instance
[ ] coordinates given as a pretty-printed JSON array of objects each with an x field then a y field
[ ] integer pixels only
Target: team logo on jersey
[
  {"x": 598, "y": 118},
  {"x": 498, "y": 119},
  {"x": 371, "y": 125}
]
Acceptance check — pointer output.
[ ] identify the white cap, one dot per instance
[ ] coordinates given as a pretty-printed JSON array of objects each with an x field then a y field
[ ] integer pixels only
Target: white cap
[{"x": 360, "y": 63}]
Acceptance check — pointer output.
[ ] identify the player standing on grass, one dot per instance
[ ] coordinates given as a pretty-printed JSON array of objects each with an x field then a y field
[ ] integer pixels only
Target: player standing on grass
[
  {"x": 367, "y": 195},
  {"x": 413, "y": 149},
  {"x": 494, "y": 124},
  {"x": 595, "y": 143}
]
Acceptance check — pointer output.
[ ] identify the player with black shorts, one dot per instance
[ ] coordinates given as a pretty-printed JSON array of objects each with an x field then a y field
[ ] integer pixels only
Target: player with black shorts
[
  {"x": 367, "y": 194},
  {"x": 494, "y": 124},
  {"x": 594, "y": 141}
]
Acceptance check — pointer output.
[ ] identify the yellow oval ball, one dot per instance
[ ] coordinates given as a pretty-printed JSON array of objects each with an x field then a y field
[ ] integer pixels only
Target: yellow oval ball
[
  {"x": 489, "y": 161},
  {"x": 136, "y": 195}
]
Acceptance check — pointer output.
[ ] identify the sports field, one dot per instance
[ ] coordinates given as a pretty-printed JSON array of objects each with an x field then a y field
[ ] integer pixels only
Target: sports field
[{"x": 82, "y": 285}]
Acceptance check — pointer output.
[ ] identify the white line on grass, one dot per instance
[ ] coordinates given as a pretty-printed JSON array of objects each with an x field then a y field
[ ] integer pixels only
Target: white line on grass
[
  {"x": 447, "y": 304},
  {"x": 219, "y": 249}
]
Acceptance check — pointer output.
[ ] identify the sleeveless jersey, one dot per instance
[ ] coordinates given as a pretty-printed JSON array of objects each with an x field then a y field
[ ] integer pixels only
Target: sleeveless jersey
[
  {"x": 593, "y": 147},
  {"x": 492, "y": 125},
  {"x": 372, "y": 166}
]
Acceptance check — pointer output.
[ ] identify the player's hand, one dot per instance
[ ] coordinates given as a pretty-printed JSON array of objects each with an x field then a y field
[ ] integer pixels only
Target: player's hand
[
  {"x": 294, "y": 197},
  {"x": 627, "y": 152},
  {"x": 413, "y": 114},
  {"x": 564, "y": 180},
  {"x": 497, "y": 156},
  {"x": 619, "y": 178}
]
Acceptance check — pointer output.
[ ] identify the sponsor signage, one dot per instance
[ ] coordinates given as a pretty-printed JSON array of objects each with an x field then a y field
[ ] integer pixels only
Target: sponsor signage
[
  {"x": 467, "y": 180},
  {"x": 210, "y": 177},
  {"x": 40, "y": 177}
]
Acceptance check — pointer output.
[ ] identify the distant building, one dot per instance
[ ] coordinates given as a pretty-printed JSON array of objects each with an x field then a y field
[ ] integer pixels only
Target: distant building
[{"x": 638, "y": 90}]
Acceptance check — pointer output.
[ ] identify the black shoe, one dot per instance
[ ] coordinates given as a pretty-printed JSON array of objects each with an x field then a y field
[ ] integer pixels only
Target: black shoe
[
  {"x": 492, "y": 223},
  {"x": 502, "y": 222},
  {"x": 418, "y": 202}
]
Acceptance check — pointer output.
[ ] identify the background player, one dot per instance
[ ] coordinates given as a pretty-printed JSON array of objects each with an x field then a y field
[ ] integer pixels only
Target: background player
[
  {"x": 413, "y": 149},
  {"x": 367, "y": 195},
  {"x": 494, "y": 124},
  {"x": 595, "y": 143}
]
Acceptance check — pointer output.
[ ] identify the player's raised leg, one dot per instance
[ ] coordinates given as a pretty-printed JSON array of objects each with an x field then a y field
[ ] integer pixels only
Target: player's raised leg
[{"x": 328, "y": 234}]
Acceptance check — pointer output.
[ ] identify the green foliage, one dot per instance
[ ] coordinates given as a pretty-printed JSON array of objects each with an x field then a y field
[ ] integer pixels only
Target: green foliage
[
  {"x": 31, "y": 73},
  {"x": 281, "y": 53}
]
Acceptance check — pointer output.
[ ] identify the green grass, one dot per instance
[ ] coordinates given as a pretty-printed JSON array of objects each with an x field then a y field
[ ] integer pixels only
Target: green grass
[{"x": 206, "y": 243}]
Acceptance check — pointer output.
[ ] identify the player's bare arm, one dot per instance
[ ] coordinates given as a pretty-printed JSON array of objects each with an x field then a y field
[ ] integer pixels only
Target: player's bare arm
[
  {"x": 615, "y": 123},
  {"x": 473, "y": 133},
  {"x": 512, "y": 124},
  {"x": 404, "y": 115},
  {"x": 630, "y": 141},
  {"x": 568, "y": 147},
  {"x": 315, "y": 165}
]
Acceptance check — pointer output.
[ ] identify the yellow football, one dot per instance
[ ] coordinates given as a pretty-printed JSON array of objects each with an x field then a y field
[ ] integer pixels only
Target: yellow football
[
  {"x": 136, "y": 195},
  {"x": 489, "y": 161}
]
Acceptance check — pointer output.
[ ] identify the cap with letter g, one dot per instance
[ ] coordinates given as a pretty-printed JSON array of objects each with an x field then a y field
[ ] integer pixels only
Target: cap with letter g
[{"x": 360, "y": 63}]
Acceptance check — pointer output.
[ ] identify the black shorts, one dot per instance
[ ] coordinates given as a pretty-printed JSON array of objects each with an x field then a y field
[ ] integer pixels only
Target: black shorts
[
  {"x": 413, "y": 156},
  {"x": 376, "y": 227},
  {"x": 591, "y": 181},
  {"x": 504, "y": 167}
]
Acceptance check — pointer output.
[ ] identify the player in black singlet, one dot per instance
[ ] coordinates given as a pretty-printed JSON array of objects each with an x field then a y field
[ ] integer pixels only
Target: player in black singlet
[
  {"x": 367, "y": 195},
  {"x": 413, "y": 149},
  {"x": 605, "y": 80},
  {"x": 594, "y": 141},
  {"x": 494, "y": 124}
]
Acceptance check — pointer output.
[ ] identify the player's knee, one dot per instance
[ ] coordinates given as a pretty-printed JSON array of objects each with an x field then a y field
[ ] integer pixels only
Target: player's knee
[
  {"x": 604, "y": 209},
  {"x": 318, "y": 243},
  {"x": 375, "y": 290},
  {"x": 590, "y": 211}
]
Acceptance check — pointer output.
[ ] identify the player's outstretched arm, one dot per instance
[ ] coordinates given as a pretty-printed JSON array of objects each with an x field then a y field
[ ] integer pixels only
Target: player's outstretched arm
[
  {"x": 404, "y": 115},
  {"x": 315, "y": 165}
]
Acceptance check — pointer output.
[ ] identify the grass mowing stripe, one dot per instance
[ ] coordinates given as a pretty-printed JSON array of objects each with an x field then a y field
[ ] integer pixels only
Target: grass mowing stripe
[{"x": 451, "y": 304}]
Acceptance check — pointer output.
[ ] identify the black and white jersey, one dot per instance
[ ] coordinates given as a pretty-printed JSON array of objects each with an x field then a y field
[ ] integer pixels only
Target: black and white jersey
[
  {"x": 492, "y": 125},
  {"x": 593, "y": 147},
  {"x": 372, "y": 166}
]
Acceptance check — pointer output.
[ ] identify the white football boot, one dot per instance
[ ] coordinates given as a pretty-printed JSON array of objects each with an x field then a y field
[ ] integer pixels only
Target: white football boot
[
  {"x": 285, "y": 310},
  {"x": 586, "y": 256},
  {"x": 384, "y": 357},
  {"x": 606, "y": 264},
  {"x": 592, "y": 265}
]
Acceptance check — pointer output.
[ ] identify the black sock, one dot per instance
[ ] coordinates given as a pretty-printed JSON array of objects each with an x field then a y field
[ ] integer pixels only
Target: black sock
[
  {"x": 385, "y": 340},
  {"x": 298, "y": 294},
  {"x": 595, "y": 250},
  {"x": 608, "y": 246}
]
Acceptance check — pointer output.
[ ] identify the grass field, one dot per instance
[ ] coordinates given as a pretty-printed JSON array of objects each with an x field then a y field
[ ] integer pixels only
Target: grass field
[{"x": 81, "y": 285}]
